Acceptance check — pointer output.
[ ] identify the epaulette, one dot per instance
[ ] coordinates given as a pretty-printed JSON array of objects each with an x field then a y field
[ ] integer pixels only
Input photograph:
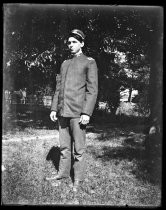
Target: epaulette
[{"x": 89, "y": 58}]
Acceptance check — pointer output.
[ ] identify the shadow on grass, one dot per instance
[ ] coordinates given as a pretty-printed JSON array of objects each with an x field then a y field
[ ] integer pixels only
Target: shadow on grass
[
  {"x": 147, "y": 168},
  {"x": 119, "y": 153},
  {"x": 23, "y": 116},
  {"x": 102, "y": 118},
  {"x": 54, "y": 156},
  {"x": 26, "y": 115}
]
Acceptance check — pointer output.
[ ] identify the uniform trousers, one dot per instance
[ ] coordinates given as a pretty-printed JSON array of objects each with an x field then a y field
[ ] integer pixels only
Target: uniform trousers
[{"x": 72, "y": 147}]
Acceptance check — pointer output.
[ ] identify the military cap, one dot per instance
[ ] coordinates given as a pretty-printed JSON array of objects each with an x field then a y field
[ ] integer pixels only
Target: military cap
[{"x": 79, "y": 33}]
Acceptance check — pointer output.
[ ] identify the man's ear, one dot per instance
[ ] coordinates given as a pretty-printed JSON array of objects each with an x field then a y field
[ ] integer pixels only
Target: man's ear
[{"x": 82, "y": 44}]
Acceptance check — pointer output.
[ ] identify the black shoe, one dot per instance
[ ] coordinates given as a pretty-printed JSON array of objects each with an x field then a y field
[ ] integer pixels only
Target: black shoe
[{"x": 56, "y": 177}]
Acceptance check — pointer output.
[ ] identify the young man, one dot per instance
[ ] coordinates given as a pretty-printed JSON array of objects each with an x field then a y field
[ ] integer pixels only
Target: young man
[{"x": 72, "y": 105}]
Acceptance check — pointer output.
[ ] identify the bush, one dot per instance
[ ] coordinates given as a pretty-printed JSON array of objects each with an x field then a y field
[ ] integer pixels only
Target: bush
[{"x": 44, "y": 91}]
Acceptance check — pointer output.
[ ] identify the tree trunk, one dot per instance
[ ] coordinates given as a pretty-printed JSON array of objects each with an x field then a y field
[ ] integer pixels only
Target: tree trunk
[
  {"x": 130, "y": 89},
  {"x": 156, "y": 73},
  {"x": 153, "y": 141},
  {"x": 130, "y": 93}
]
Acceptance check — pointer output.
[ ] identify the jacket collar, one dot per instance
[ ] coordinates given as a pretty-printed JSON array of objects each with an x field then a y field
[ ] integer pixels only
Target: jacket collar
[
  {"x": 74, "y": 56},
  {"x": 77, "y": 56}
]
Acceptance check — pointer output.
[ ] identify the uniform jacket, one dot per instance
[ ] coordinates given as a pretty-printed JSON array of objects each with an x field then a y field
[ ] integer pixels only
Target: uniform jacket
[{"x": 77, "y": 87}]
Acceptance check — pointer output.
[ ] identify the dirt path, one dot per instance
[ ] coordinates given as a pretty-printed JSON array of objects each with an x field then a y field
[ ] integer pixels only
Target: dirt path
[{"x": 112, "y": 173}]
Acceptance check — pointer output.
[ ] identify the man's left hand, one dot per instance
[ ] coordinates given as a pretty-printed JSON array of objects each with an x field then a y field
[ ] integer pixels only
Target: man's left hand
[{"x": 84, "y": 119}]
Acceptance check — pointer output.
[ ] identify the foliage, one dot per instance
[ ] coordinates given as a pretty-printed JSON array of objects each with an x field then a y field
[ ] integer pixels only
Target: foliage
[{"x": 36, "y": 36}]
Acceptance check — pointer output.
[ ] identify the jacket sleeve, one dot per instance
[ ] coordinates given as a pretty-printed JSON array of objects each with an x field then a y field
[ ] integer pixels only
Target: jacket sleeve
[
  {"x": 56, "y": 94},
  {"x": 91, "y": 88}
]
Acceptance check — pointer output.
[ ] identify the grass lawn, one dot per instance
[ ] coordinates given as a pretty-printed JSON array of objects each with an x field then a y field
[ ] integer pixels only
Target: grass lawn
[{"x": 116, "y": 172}]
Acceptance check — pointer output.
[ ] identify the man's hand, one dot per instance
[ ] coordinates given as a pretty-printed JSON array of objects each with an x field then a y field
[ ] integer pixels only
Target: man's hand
[
  {"x": 84, "y": 119},
  {"x": 53, "y": 116}
]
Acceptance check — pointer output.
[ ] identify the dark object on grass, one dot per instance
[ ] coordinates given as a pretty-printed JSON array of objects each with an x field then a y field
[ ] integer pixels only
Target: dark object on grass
[
  {"x": 153, "y": 150},
  {"x": 54, "y": 156},
  {"x": 153, "y": 140}
]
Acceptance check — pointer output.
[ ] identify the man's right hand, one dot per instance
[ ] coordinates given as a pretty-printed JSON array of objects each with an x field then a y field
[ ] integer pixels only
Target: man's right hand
[{"x": 53, "y": 116}]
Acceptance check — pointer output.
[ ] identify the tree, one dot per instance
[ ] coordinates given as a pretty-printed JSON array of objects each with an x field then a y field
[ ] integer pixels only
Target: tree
[{"x": 113, "y": 38}]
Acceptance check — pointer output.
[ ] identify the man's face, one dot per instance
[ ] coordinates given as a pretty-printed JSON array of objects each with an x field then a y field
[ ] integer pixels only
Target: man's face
[{"x": 74, "y": 45}]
